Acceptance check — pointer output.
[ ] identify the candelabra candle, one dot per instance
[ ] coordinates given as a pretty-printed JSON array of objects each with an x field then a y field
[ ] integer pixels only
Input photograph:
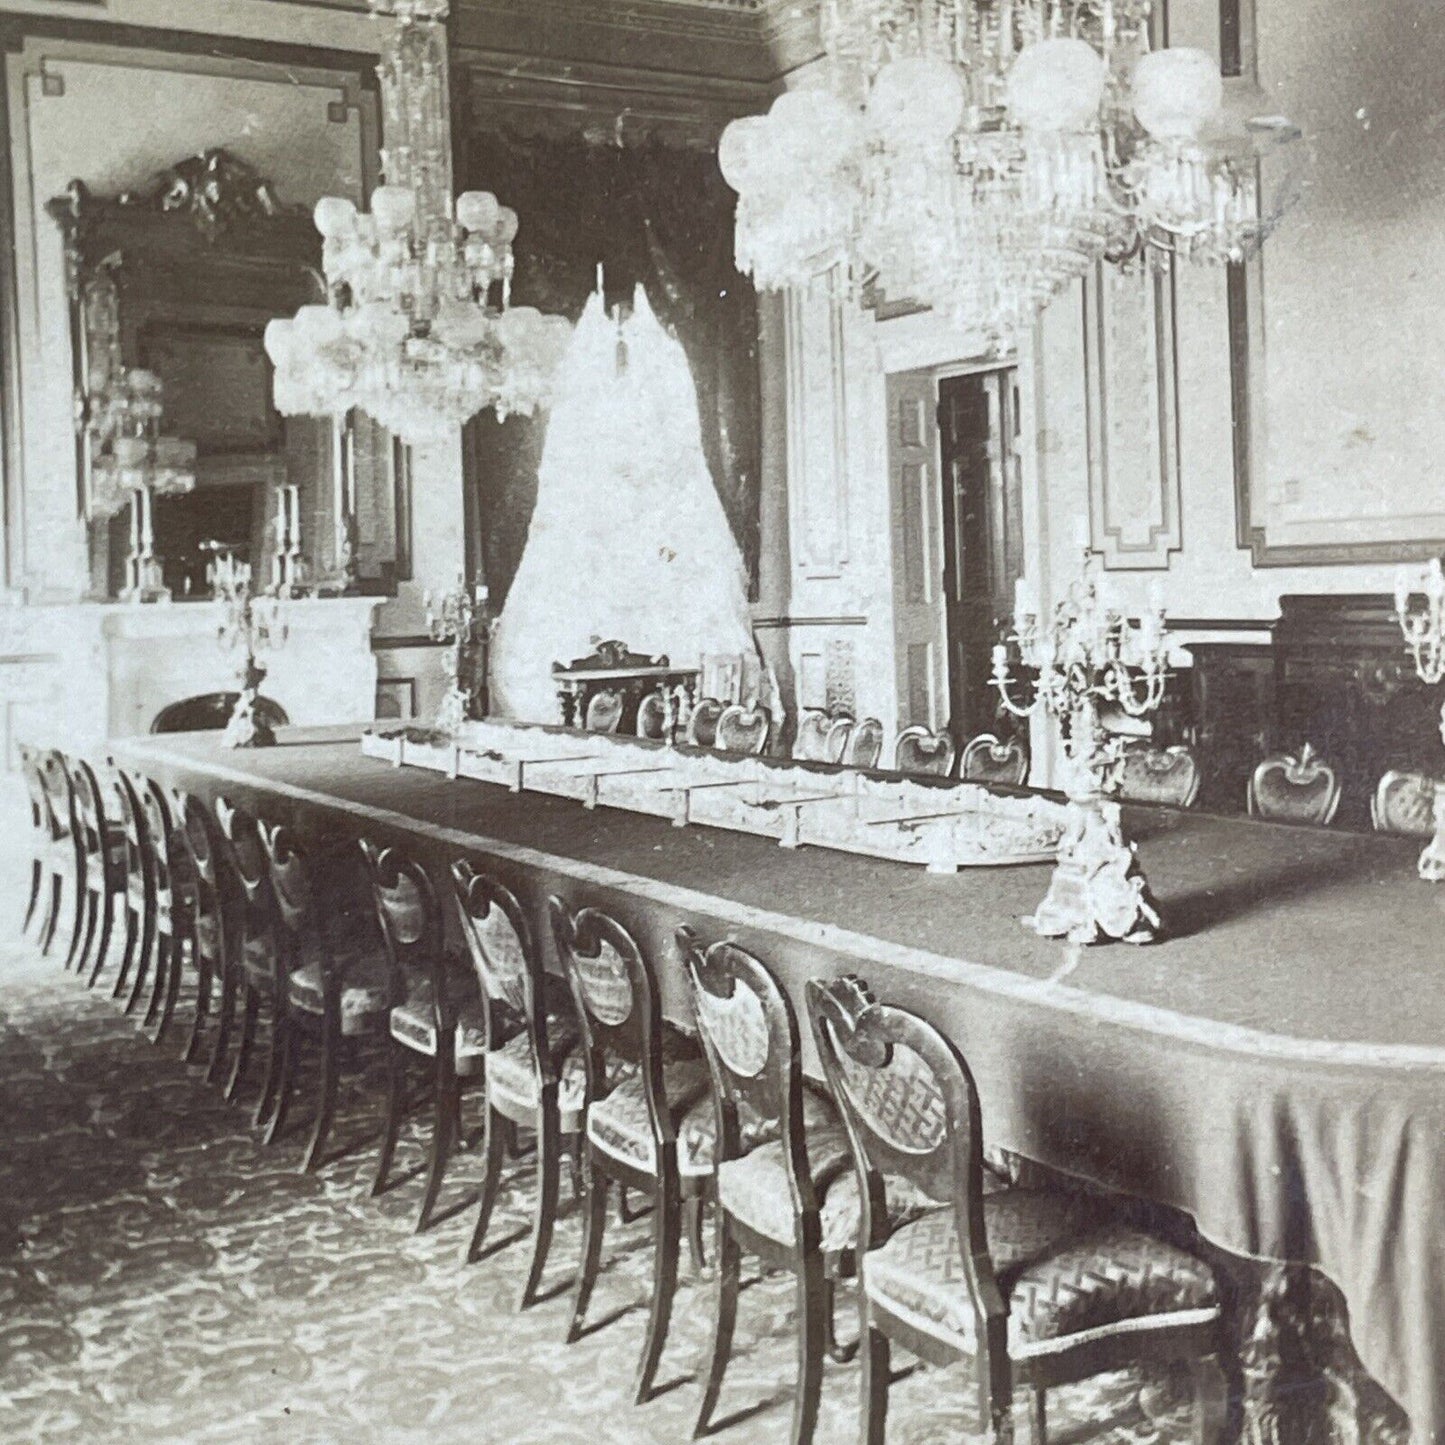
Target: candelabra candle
[
  {"x": 1423, "y": 628},
  {"x": 462, "y": 619},
  {"x": 1089, "y": 656},
  {"x": 255, "y": 622}
]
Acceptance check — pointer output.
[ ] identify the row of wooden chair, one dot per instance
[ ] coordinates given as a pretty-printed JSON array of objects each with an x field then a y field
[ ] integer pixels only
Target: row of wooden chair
[{"x": 877, "y": 1172}]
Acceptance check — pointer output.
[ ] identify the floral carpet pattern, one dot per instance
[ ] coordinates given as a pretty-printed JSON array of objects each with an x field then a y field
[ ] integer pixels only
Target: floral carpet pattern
[{"x": 166, "y": 1277}]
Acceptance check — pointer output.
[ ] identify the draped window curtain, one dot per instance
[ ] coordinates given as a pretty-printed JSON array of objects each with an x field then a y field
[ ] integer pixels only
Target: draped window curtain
[{"x": 650, "y": 213}]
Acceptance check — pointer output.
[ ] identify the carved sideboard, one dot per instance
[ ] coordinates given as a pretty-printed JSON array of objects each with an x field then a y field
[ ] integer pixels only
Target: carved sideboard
[{"x": 1335, "y": 675}]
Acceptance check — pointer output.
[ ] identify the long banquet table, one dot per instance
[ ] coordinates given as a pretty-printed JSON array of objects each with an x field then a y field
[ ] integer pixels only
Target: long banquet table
[{"x": 1276, "y": 1067}]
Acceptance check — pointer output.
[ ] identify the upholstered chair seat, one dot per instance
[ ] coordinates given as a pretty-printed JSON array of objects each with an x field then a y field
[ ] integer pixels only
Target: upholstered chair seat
[
  {"x": 618, "y": 1124},
  {"x": 1068, "y": 1277},
  {"x": 365, "y": 992},
  {"x": 413, "y": 1022}
]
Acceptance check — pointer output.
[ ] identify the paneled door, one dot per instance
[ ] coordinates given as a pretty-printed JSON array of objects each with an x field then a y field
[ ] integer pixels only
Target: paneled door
[{"x": 982, "y": 535}]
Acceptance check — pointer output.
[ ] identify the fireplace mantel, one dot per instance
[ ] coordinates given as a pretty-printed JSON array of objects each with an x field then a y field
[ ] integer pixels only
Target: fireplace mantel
[{"x": 99, "y": 670}]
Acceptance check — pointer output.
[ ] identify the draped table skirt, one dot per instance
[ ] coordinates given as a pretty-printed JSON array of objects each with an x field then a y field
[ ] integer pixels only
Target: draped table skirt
[{"x": 1275, "y": 1067}]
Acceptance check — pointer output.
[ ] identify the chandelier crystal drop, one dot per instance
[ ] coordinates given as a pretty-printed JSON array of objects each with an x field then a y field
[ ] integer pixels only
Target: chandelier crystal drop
[
  {"x": 418, "y": 330},
  {"x": 976, "y": 156}
]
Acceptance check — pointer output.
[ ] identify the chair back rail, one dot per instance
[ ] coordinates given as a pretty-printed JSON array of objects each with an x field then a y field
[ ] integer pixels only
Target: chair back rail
[
  {"x": 910, "y": 1108},
  {"x": 702, "y": 726},
  {"x": 652, "y": 716},
  {"x": 89, "y": 810},
  {"x": 1404, "y": 802},
  {"x": 1294, "y": 788},
  {"x": 139, "y": 859},
  {"x": 58, "y": 794},
  {"x": 411, "y": 928},
  {"x": 988, "y": 759},
  {"x": 291, "y": 882},
  {"x": 618, "y": 1005},
  {"x": 217, "y": 893},
  {"x": 604, "y": 711},
  {"x": 160, "y": 838},
  {"x": 811, "y": 745},
  {"x": 743, "y": 728},
  {"x": 840, "y": 730},
  {"x": 34, "y": 787},
  {"x": 246, "y": 854},
  {"x": 751, "y": 1041},
  {"x": 508, "y": 964},
  {"x": 921, "y": 751},
  {"x": 1160, "y": 775},
  {"x": 865, "y": 744}
]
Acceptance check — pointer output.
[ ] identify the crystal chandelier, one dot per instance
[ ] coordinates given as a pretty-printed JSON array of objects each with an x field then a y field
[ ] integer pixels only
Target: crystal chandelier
[
  {"x": 418, "y": 331},
  {"x": 978, "y": 155}
]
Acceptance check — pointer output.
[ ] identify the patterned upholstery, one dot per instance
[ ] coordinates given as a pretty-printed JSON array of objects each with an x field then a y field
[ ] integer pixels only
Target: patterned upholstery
[
  {"x": 987, "y": 760},
  {"x": 503, "y": 961},
  {"x": 738, "y": 1028},
  {"x": 365, "y": 995},
  {"x": 900, "y": 1101},
  {"x": 1289, "y": 789},
  {"x": 258, "y": 960},
  {"x": 702, "y": 725},
  {"x": 512, "y": 1081},
  {"x": 1405, "y": 803},
  {"x": 920, "y": 751},
  {"x": 812, "y": 742},
  {"x": 618, "y": 1125},
  {"x": 1067, "y": 1277},
  {"x": 840, "y": 729},
  {"x": 413, "y": 1023},
  {"x": 605, "y": 984},
  {"x": 1160, "y": 775},
  {"x": 604, "y": 711},
  {"x": 652, "y": 716},
  {"x": 744, "y": 729}
]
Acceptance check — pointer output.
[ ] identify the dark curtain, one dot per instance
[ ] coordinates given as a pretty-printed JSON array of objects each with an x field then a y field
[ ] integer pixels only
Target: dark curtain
[{"x": 664, "y": 217}]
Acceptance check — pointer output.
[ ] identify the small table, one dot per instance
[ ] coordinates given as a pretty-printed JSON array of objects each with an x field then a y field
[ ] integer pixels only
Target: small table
[{"x": 632, "y": 675}]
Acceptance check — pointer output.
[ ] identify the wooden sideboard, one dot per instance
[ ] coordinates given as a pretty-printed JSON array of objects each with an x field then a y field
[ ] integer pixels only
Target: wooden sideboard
[{"x": 1335, "y": 674}]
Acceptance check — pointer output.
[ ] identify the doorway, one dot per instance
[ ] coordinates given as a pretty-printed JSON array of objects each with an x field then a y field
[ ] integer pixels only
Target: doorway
[{"x": 982, "y": 536}]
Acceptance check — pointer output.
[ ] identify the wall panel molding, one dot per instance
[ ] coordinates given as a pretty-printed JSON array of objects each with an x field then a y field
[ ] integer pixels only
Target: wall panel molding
[{"x": 1131, "y": 379}]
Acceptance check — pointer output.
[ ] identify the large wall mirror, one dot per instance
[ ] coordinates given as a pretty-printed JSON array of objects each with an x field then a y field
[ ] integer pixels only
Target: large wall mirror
[
  {"x": 1338, "y": 330},
  {"x": 174, "y": 285}
]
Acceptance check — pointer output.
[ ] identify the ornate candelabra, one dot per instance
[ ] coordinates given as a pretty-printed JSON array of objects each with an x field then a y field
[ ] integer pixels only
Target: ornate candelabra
[
  {"x": 253, "y": 621},
  {"x": 1086, "y": 659},
  {"x": 1424, "y": 631},
  {"x": 463, "y": 619},
  {"x": 288, "y": 565}
]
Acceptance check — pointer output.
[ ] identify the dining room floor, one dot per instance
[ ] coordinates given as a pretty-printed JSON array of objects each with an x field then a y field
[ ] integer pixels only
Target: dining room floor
[{"x": 164, "y": 1276}]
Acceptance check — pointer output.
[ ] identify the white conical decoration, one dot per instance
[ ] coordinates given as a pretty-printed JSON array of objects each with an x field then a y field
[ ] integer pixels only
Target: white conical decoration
[{"x": 628, "y": 540}]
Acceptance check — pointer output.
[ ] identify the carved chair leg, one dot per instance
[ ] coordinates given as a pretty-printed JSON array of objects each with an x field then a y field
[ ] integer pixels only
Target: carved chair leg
[
  {"x": 251, "y": 1007},
  {"x": 326, "y": 1091},
  {"x": 666, "y": 1245},
  {"x": 280, "y": 1028},
  {"x": 839, "y": 1353},
  {"x": 37, "y": 874},
  {"x": 395, "y": 1108},
  {"x": 693, "y": 1208},
  {"x": 52, "y": 912},
  {"x": 729, "y": 1267},
  {"x": 494, "y": 1148},
  {"x": 812, "y": 1326},
  {"x": 593, "y": 1223},
  {"x": 444, "y": 1105},
  {"x": 91, "y": 922},
  {"x": 134, "y": 924},
  {"x": 174, "y": 972},
  {"x": 290, "y": 1047},
  {"x": 165, "y": 945},
  {"x": 549, "y": 1172},
  {"x": 1038, "y": 1415},
  {"x": 80, "y": 890},
  {"x": 1211, "y": 1402},
  {"x": 225, "y": 1020},
  {"x": 874, "y": 1386},
  {"x": 203, "y": 1006},
  {"x": 102, "y": 946}
]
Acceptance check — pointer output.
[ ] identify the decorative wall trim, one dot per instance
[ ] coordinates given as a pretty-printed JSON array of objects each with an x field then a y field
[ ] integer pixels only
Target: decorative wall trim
[
  {"x": 1220, "y": 624},
  {"x": 817, "y": 411},
  {"x": 1131, "y": 381}
]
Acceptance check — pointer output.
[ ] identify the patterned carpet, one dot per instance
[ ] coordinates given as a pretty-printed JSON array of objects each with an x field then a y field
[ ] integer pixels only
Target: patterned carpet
[{"x": 165, "y": 1277}]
